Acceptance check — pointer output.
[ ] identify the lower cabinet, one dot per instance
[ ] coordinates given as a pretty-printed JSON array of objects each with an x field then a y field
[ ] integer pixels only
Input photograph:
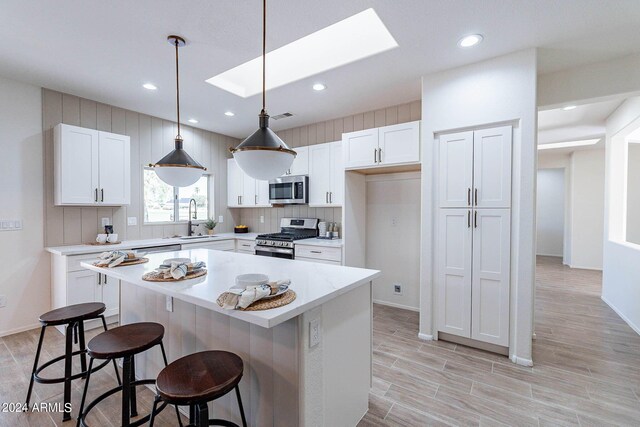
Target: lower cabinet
[
  {"x": 473, "y": 282},
  {"x": 220, "y": 245},
  {"x": 319, "y": 254},
  {"x": 245, "y": 246}
]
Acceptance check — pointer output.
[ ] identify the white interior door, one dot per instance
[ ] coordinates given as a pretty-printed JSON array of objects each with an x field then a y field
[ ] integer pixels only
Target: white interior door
[
  {"x": 110, "y": 295},
  {"x": 490, "y": 287},
  {"x": 114, "y": 169},
  {"x": 262, "y": 192},
  {"x": 300, "y": 164},
  {"x": 319, "y": 174},
  {"x": 336, "y": 196},
  {"x": 455, "y": 170},
  {"x": 454, "y": 272},
  {"x": 399, "y": 143},
  {"x": 76, "y": 165},
  {"x": 360, "y": 148},
  {"x": 234, "y": 183},
  {"x": 492, "y": 167},
  {"x": 82, "y": 287}
]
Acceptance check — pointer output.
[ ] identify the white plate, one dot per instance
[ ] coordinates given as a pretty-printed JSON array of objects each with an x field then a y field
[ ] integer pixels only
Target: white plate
[
  {"x": 168, "y": 261},
  {"x": 253, "y": 279},
  {"x": 280, "y": 292}
]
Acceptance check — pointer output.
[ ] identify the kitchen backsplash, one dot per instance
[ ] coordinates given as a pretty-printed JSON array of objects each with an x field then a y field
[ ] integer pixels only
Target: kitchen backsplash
[{"x": 272, "y": 216}]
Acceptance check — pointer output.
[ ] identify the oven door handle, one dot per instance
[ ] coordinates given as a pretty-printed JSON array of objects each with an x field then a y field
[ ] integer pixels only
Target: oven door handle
[{"x": 271, "y": 249}]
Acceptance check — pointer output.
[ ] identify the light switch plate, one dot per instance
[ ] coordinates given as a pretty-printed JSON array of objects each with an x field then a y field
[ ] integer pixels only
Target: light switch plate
[
  {"x": 261, "y": 219},
  {"x": 169, "y": 304},
  {"x": 106, "y": 221},
  {"x": 221, "y": 219},
  {"x": 315, "y": 333},
  {"x": 132, "y": 220}
]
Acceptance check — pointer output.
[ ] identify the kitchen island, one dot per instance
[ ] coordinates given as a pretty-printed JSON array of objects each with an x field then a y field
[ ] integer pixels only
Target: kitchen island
[{"x": 291, "y": 378}]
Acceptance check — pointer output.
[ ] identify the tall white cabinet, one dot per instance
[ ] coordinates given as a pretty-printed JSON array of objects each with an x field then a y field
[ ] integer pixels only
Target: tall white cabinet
[
  {"x": 244, "y": 191},
  {"x": 326, "y": 175},
  {"x": 474, "y": 234}
]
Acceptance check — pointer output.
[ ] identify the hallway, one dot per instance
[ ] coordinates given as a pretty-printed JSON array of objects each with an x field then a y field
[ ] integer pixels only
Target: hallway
[{"x": 587, "y": 366}]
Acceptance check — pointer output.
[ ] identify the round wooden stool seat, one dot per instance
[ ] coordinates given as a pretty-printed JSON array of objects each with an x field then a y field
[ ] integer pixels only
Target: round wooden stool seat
[
  {"x": 72, "y": 313},
  {"x": 199, "y": 377},
  {"x": 125, "y": 340}
]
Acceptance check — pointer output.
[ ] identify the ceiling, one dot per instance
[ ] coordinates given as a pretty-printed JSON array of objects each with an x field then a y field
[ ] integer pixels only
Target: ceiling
[{"x": 105, "y": 50}]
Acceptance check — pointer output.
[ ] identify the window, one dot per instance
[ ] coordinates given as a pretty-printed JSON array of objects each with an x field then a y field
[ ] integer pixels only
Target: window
[{"x": 163, "y": 203}]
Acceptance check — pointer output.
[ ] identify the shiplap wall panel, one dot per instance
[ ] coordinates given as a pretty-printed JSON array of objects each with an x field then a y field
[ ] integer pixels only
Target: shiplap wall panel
[
  {"x": 318, "y": 133},
  {"x": 151, "y": 138}
]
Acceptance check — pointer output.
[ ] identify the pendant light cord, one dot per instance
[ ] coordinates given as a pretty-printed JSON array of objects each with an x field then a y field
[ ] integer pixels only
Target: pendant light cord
[
  {"x": 264, "y": 54},
  {"x": 177, "y": 42}
]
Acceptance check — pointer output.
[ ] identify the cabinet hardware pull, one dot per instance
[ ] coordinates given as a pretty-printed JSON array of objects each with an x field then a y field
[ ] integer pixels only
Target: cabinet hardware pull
[
  {"x": 105, "y": 279},
  {"x": 475, "y": 196},
  {"x": 375, "y": 156},
  {"x": 99, "y": 278},
  {"x": 379, "y": 155},
  {"x": 102, "y": 194},
  {"x": 326, "y": 197},
  {"x": 475, "y": 219},
  {"x": 255, "y": 199},
  {"x": 316, "y": 252},
  {"x": 96, "y": 195},
  {"x": 468, "y": 219},
  {"x": 330, "y": 196},
  {"x": 469, "y": 196},
  {"x": 238, "y": 199}
]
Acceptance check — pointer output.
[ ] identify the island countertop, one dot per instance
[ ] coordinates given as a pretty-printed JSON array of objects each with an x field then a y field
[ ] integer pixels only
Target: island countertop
[{"x": 313, "y": 283}]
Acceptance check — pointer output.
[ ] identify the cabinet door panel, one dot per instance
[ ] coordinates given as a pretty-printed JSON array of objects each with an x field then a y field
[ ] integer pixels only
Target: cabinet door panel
[
  {"x": 399, "y": 143},
  {"x": 114, "y": 169},
  {"x": 337, "y": 174},
  {"x": 454, "y": 272},
  {"x": 455, "y": 170},
  {"x": 360, "y": 148},
  {"x": 234, "y": 183},
  {"x": 248, "y": 196},
  {"x": 262, "y": 191},
  {"x": 492, "y": 167},
  {"x": 82, "y": 286},
  {"x": 110, "y": 288},
  {"x": 319, "y": 174},
  {"x": 300, "y": 164},
  {"x": 490, "y": 287},
  {"x": 76, "y": 165}
]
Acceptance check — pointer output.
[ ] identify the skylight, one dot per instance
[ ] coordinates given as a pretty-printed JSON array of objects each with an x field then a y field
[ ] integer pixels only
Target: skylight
[
  {"x": 568, "y": 144},
  {"x": 354, "y": 38}
]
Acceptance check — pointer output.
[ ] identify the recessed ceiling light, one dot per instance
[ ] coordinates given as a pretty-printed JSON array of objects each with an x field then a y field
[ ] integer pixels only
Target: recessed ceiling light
[
  {"x": 193, "y": 121},
  {"x": 568, "y": 107},
  {"x": 470, "y": 40},
  {"x": 354, "y": 38},
  {"x": 150, "y": 86},
  {"x": 229, "y": 113},
  {"x": 569, "y": 144},
  {"x": 319, "y": 87}
]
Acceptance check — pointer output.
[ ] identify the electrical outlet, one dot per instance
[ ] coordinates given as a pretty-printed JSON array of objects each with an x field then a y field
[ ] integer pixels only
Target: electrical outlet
[
  {"x": 397, "y": 288},
  {"x": 3, "y": 301},
  {"x": 106, "y": 221},
  {"x": 261, "y": 219},
  {"x": 132, "y": 220},
  {"x": 315, "y": 333},
  {"x": 169, "y": 304},
  {"x": 221, "y": 219},
  {"x": 394, "y": 221}
]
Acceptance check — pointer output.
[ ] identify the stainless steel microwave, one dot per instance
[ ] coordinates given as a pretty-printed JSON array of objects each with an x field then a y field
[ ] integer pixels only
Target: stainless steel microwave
[{"x": 289, "y": 190}]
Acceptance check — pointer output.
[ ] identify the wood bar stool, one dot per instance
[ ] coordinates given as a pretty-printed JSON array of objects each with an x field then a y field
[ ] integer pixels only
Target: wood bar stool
[
  {"x": 124, "y": 341},
  {"x": 73, "y": 316},
  {"x": 197, "y": 379}
]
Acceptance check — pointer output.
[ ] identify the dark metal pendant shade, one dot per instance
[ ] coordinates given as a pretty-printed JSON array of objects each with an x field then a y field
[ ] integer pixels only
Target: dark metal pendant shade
[
  {"x": 263, "y": 139},
  {"x": 178, "y": 158}
]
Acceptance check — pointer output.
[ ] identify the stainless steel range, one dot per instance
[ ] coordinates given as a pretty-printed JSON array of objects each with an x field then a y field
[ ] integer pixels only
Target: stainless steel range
[{"x": 281, "y": 245}]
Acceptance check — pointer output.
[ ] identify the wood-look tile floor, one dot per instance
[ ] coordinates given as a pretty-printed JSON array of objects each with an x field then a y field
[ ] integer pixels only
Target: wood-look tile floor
[
  {"x": 586, "y": 366},
  {"x": 586, "y": 373}
]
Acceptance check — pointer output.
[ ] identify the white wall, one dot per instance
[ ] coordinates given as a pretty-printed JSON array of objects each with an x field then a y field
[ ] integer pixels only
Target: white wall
[
  {"x": 25, "y": 266},
  {"x": 550, "y": 212},
  {"x": 587, "y": 209},
  {"x": 621, "y": 263},
  {"x": 393, "y": 237},
  {"x": 500, "y": 90},
  {"x": 633, "y": 194}
]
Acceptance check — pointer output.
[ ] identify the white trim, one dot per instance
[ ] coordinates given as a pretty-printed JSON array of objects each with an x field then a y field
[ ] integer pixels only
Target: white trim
[
  {"x": 584, "y": 268},
  {"x": 636, "y": 328},
  {"x": 397, "y": 176},
  {"x": 521, "y": 361},
  {"x": 425, "y": 337},
  {"x": 392, "y": 304},
  {"x": 20, "y": 329},
  {"x": 551, "y": 255}
]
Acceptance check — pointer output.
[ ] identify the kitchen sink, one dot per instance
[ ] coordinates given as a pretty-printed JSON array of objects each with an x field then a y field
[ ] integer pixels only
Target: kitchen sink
[{"x": 197, "y": 237}]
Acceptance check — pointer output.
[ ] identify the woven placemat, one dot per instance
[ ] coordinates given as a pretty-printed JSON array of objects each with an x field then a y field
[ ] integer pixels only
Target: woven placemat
[
  {"x": 154, "y": 276},
  {"x": 127, "y": 263},
  {"x": 267, "y": 304},
  {"x": 103, "y": 244}
]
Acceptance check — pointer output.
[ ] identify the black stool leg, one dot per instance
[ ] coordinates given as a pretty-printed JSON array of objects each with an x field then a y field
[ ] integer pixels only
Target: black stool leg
[
  {"x": 202, "y": 415},
  {"x": 67, "y": 371},
  {"x": 244, "y": 420},
  {"x": 192, "y": 415},
  {"x": 134, "y": 404},
  {"x": 84, "y": 393},
  {"x": 83, "y": 347},
  {"x": 156, "y": 400},
  {"x": 35, "y": 364},
  {"x": 166, "y": 362},
  {"x": 126, "y": 390},
  {"x": 115, "y": 366}
]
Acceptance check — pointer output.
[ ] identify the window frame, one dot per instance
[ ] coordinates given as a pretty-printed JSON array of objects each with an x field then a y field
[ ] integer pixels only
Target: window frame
[{"x": 176, "y": 203}]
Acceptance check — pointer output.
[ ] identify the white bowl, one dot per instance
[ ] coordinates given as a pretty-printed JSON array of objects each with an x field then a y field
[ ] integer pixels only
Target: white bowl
[
  {"x": 168, "y": 261},
  {"x": 244, "y": 280}
]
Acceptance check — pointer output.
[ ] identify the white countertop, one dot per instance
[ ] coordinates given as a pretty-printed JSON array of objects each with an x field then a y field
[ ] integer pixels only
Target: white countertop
[{"x": 313, "y": 283}]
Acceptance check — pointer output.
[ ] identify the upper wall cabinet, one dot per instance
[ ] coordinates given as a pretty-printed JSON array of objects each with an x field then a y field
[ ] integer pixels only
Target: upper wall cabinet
[
  {"x": 326, "y": 175},
  {"x": 475, "y": 169},
  {"x": 91, "y": 167},
  {"x": 244, "y": 191},
  {"x": 300, "y": 165},
  {"x": 385, "y": 146}
]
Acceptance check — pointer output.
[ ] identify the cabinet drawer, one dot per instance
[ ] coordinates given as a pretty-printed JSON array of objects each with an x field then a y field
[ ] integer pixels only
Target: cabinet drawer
[
  {"x": 245, "y": 246},
  {"x": 73, "y": 262},
  {"x": 319, "y": 252},
  {"x": 318, "y": 261},
  {"x": 224, "y": 245}
]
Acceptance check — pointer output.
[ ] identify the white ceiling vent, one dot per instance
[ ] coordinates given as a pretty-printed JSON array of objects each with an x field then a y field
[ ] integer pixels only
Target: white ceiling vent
[{"x": 282, "y": 116}]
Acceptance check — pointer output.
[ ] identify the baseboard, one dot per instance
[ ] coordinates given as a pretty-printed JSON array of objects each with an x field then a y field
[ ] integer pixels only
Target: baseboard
[
  {"x": 425, "y": 337},
  {"x": 521, "y": 361},
  {"x": 20, "y": 329},
  {"x": 553, "y": 255},
  {"x": 622, "y": 316},
  {"x": 392, "y": 304},
  {"x": 581, "y": 267}
]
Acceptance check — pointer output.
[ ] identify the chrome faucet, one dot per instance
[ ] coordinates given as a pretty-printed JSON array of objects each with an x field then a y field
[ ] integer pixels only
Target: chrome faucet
[{"x": 195, "y": 216}]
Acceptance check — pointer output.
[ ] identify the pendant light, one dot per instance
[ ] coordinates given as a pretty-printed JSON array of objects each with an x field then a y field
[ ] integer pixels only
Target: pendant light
[
  {"x": 263, "y": 155},
  {"x": 177, "y": 168}
]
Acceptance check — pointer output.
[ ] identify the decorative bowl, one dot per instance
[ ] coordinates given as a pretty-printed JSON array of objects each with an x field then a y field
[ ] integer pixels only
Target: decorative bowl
[{"x": 244, "y": 280}]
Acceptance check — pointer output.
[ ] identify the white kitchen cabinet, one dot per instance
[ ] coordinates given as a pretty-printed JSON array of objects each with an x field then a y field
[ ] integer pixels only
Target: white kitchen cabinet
[
  {"x": 320, "y": 254},
  {"x": 244, "y": 191},
  {"x": 245, "y": 246},
  {"x": 386, "y": 146},
  {"x": 218, "y": 245},
  {"x": 91, "y": 167},
  {"x": 475, "y": 169},
  {"x": 300, "y": 165},
  {"x": 326, "y": 175}
]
